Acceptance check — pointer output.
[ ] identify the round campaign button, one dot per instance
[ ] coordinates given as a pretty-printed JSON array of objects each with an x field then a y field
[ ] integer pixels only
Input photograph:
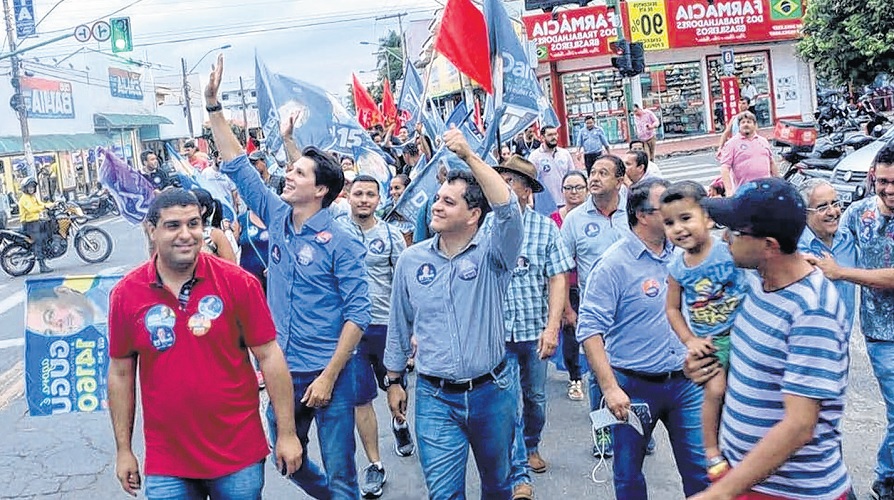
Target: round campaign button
[
  {"x": 162, "y": 338},
  {"x": 211, "y": 306},
  {"x": 199, "y": 324},
  {"x": 159, "y": 322},
  {"x": 377, "y": 246},
  {"x": 591, "y": 229},
  {"x": 426, "y": 274}
]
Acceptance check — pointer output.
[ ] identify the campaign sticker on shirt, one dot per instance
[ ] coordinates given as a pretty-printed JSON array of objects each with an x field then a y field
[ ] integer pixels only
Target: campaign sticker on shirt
[
  {"x": 591, "y": 229},
  {"x": 468, "y": 269},
  {"x": 306, "y": 255},
  {"x": 426, "y": 274},
  {"x": 274, "y": 254},
  {"x": 159, "y": 315},
  {"x": 211, "y": 306},
  {"x": 651, "y": 287},
  {"x": 522, "y": 264},
  {"x": 156, "y": 180},
  {"x": 162, "y": 338},
  {"x": 323, "y": 237},
  {"x": 545, "y": 166},
  {"x": 252, "y": 231},
  {"x": 377, "y": 246},
  {"x": 199, "y": 324}
]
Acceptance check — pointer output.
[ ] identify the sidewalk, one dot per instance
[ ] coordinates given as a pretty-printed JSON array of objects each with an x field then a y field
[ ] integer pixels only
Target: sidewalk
[{"x": 691, "y": 145}]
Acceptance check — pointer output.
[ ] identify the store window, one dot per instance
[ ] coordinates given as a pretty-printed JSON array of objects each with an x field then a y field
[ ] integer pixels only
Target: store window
[
  {"x": 753, "y": 71},
  {"x": 674, "y": 93},
  {"x": 600, "y": 94}
]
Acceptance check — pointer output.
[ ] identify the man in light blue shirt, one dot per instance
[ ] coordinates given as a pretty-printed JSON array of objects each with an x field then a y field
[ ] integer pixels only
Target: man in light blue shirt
[
  {"x": 824, "y": 236},
  {"x": 592, "y": 142},
  {"x": 448, "y": 292},
  {"x": 636, "y": 356},
  {"x": 317, "y": 292}
]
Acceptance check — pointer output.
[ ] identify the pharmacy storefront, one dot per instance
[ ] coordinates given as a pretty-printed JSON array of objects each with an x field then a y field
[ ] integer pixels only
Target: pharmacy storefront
[{"x": 683, "y": 41}]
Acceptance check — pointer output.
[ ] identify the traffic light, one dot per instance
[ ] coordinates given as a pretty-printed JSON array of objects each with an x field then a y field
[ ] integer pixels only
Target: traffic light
[
  {"x": 622, "y": 61},
  {"x": 637, "y": 58},
  {"x": 121, "y": 35}
]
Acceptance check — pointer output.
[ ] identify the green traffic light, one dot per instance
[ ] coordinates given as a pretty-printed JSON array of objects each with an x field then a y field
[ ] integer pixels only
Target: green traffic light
[{"x": 121, "y": 34}]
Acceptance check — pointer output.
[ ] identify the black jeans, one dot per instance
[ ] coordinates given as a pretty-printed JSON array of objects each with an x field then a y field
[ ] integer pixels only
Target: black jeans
[
  {"x": 590, "y": 159},
  {"x": 36, "y": 230},
  {"x": 570, "y": 347}
]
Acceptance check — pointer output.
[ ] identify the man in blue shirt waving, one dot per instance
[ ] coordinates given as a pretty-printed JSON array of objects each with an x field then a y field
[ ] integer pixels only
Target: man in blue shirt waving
[
  {"x": 448, "y": 291},
  {"x": 318, "y": 294}
]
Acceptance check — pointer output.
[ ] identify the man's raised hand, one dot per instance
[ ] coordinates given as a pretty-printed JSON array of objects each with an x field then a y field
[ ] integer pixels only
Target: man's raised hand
[{"x": 214, "y": 82}]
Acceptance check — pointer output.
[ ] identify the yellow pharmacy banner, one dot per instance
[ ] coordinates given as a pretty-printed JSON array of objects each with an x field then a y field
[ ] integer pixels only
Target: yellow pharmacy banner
[{"x": 648, "y": 23}]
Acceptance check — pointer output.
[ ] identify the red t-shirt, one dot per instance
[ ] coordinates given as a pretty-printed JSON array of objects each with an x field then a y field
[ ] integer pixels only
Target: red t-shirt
[{"x": 198, "y": 388}]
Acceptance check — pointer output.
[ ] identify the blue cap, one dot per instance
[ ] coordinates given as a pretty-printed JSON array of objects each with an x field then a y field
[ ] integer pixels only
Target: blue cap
[{"x": 766, "y": 207}]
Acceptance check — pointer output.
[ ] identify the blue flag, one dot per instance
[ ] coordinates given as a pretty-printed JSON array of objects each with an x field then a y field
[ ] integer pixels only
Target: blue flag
[
  {"x": 191, "y": 179},
  {"x": 131, "y": 190},
  {"x": 425, "y": 184},
  {"x": 461, "y": 118},
  {"x": 409, "y": 105}
]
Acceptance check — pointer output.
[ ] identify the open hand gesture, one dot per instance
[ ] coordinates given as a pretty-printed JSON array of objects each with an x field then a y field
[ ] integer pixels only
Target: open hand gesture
[{"x": 214, "y": 82}]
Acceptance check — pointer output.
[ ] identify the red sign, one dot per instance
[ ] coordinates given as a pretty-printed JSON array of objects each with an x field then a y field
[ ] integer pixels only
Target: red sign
[
  {"x": 729, "y": 87},
  {"x": 703, "y": 22},
  {"x": 573, "y": 33}
]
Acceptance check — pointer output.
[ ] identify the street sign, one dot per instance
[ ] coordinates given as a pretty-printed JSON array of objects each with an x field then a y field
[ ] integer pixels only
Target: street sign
[
  {"x": 82, "y": 33},
  {"x": 23, "y": 10},
  {"x": 101, "y": 31},
  {"x": 728, "y": 59}
]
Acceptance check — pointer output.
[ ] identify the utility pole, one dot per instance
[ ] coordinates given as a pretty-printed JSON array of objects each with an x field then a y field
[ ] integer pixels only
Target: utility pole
[
  {"x": 244, "y": 113},
  {"x": 400, "y": 26},
  {"x": 618, "y": 7},
  {"x": 186, "y": 98},
  {"x": 17, "y": 98}
]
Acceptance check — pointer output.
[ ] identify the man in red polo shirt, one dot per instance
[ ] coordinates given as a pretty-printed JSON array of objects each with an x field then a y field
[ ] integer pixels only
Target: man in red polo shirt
[{"x": 188, "y": 319}]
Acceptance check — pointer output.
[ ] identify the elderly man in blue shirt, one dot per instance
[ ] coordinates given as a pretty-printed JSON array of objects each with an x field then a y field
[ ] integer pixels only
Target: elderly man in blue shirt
[
  {"x": 825, "y": 236},
  {"x": 592, "y": 142},
  {"x": 317, "y": 292},
  {"x": 636, "y": 356},
  {"x": 448, "y": 292}
]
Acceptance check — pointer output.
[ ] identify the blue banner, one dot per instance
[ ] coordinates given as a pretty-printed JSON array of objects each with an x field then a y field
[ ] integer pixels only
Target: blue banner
[
  {"x": 66, "y": 344},
  {"x": 23, "y": 10},
  {"x": 191, "y": 179},
  {"x": 425, "y": 184},
  {"x": 131, "y": 190}
]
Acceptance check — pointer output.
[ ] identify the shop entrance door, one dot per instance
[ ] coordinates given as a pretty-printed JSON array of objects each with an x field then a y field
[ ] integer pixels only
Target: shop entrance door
[
  {"x": 753, "y": 71},
  {"x": 597, "y": 93}
]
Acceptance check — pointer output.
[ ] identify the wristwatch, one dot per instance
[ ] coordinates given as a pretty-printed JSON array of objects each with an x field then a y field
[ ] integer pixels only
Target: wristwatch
[
  {"x": 214, "y": 108},
  {"x": 388, "y": 381}
]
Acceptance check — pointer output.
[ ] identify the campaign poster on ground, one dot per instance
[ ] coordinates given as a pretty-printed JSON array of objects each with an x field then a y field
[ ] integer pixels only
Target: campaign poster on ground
[{"x": 66, "y": 344}]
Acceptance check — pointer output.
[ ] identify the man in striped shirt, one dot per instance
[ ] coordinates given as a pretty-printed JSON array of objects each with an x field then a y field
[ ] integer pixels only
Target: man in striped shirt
[{"x": 780, "y": 429}]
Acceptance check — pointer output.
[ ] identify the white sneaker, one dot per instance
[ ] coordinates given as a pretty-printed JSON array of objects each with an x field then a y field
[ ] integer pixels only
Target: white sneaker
[{"x": 575, "y": 392}]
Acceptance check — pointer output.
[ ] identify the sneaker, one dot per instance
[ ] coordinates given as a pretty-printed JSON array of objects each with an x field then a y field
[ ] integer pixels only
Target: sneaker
[
  {"x": 373, "y": 481},
  {"x": 575, "y": 393},
  {"x": 261, "y": 384},
  {"x": 882, "y": 490},
  {"x": 523, "y": 491},
  {"x": 602, "y": 447},
  {"x": 650, "y": 448},
  {"x": 403, "y": 441}
]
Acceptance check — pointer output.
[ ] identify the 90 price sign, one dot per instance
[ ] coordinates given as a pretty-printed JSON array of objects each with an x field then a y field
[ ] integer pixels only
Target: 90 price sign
[{"x": 648, "y": 23}]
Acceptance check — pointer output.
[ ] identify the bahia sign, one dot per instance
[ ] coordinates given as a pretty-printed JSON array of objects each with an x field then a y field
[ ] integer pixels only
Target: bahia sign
[{"x": 50, "y": 99}]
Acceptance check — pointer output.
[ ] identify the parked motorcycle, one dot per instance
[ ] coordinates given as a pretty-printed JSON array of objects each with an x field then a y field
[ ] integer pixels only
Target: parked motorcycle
[
  {"x": 67, "y": 221},
  {"x": 826, "y": 153},
  {"x": 98, "y": 205}
]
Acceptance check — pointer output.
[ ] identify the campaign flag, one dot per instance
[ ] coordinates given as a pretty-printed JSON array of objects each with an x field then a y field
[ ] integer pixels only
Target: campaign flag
[
  {"x": 367, "y": 112},
  {"x": 320, "y": 121},
  {"x": 389, "y": 107},
  {"x": 435, "y": 120},
  {"x": 410, "y": 108},
  {"x": 425, "y": 184},
  {"x": 462, "y": 39},
  {"x": 461, "y": 118},
  {"x": 66, "y": 344},
  {"x": 515, "y": 84},
  {"x": 190, "y": 178},
  {"x": 132, "y": 192}
]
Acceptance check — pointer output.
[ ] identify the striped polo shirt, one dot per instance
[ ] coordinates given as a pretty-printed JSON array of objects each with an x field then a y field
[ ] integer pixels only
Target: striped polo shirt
[{"x": 789, "y": 341}]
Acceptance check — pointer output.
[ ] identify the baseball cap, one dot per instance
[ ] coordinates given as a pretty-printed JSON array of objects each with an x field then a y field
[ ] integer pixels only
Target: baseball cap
[{"x": 768, "y": 207}]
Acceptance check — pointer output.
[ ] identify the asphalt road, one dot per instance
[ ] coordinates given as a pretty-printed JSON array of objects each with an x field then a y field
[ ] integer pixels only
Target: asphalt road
[{"x": 72, "y": 456}]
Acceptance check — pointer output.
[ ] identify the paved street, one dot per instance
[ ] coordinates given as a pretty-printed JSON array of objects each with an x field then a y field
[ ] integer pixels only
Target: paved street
[
  {"x": 72, "y": 456},
  {"x": 702, "y": 168}
]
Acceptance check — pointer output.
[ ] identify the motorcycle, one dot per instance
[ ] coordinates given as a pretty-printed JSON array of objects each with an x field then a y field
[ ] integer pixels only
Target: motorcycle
[
  {"x": 98, "y": 205},
  {"x": 826, "y": 153},
  {"x": 67, "y": 221}
]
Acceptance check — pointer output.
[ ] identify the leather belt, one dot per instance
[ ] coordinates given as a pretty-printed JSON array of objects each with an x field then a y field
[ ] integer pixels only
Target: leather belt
[
  {"x": 465, "y": 385},
  {"x": 650, "y": 377}
]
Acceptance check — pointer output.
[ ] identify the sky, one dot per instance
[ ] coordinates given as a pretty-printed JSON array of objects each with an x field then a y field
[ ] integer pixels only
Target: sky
[{"x": 316, "y": 41}]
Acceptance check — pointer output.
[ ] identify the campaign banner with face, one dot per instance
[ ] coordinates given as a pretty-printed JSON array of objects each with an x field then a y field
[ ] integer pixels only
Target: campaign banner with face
[
  {"x": 66, "y": 344},
  {"x": 426, "y": 184}
]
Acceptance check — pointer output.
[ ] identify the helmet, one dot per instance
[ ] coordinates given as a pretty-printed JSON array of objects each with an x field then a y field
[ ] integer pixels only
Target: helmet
[{"x": 28, "y": 181}]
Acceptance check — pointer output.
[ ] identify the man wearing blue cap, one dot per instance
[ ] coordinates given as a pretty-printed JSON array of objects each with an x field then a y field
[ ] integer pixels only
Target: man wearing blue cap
[{"x": 788, "y": 360}]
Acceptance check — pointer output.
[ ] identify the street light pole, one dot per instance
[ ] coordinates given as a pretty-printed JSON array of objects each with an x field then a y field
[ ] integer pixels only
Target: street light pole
[
  {"x": 186, "y": 89},
  {"x": 18, "y": 98}
]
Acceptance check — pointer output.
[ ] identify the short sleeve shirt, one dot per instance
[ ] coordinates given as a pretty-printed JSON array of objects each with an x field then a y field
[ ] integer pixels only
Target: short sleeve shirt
[
  {"x": 551, "y": 169},
  {"x": 748, "y": 158}
]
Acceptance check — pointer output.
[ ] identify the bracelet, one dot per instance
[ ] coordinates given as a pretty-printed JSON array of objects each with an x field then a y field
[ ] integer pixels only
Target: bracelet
[{"x": 214, "y": 108}]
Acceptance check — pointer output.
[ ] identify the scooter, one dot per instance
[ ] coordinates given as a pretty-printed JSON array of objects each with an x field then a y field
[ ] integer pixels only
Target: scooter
[{"x": 98, "y": 205}]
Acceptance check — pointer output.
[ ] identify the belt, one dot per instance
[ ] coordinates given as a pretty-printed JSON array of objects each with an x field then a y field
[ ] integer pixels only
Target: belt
[
  {"x": 465, "y": 385},
  {"x": 651, "y": 377}
]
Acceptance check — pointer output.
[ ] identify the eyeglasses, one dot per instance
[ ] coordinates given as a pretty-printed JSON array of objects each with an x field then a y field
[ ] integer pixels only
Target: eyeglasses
[
  {"x": 825, "y": 207},
  {"x": 574, "y": 189}
]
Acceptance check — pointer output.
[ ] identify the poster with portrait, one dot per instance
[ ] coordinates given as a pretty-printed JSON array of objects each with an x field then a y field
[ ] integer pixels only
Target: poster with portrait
[{"x": 66, "y": 344}]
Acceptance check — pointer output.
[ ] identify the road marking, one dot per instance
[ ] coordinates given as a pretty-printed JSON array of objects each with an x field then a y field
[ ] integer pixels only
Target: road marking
[
  {"x": 12, "y": 384},
  {"x": 6, "y": 344},
  {"x": 12, "y": 301}
]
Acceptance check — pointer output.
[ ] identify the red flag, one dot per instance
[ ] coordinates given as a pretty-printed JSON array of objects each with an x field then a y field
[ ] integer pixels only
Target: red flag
[
  {"x": 462, "y": 39},
  {"x": 250, "y": 146},
  {"x": 389, "y": 108},
  {"x": 367, "y": 113}
]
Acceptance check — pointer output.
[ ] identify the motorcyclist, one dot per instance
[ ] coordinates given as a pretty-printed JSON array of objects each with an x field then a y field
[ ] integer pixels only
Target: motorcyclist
[{"x": 30, "y": 209}]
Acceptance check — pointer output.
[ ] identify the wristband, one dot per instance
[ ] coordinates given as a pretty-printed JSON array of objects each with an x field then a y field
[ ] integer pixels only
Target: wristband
[{"x": 214, "y": 108}]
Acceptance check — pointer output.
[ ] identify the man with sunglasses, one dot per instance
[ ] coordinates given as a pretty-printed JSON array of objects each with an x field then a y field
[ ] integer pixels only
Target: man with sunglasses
[{"x": 870, "y": 223}]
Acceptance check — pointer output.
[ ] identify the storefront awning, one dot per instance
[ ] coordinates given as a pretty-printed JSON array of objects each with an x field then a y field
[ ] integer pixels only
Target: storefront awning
[
  {"x": 116, "y": 120},
  {"x": 57, "y": 142}
]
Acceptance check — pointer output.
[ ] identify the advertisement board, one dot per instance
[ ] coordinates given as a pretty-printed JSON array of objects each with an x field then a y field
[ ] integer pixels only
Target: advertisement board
[
  {"x": 573, "y": 33},
  {"x": 125, "y": 84},
  {"x": 50, "y": 99}
]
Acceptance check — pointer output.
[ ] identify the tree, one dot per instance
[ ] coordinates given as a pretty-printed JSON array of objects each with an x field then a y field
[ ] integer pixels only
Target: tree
[
  {"x": 389, "y": 62},
  {"x": 849, "y": 41}
]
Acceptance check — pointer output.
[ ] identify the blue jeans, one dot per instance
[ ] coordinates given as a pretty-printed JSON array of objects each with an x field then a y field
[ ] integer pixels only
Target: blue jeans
[
  {"x": 519, "y": 463},
  {"x": 245, "y": 484},
  {"x": 532, "y": 374},
  {"x": 881, "y": 355},
  {"x": 678, "y": 403},
  {"x": 335, "y": 432},
  {"x": 447, "y": 423}
]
